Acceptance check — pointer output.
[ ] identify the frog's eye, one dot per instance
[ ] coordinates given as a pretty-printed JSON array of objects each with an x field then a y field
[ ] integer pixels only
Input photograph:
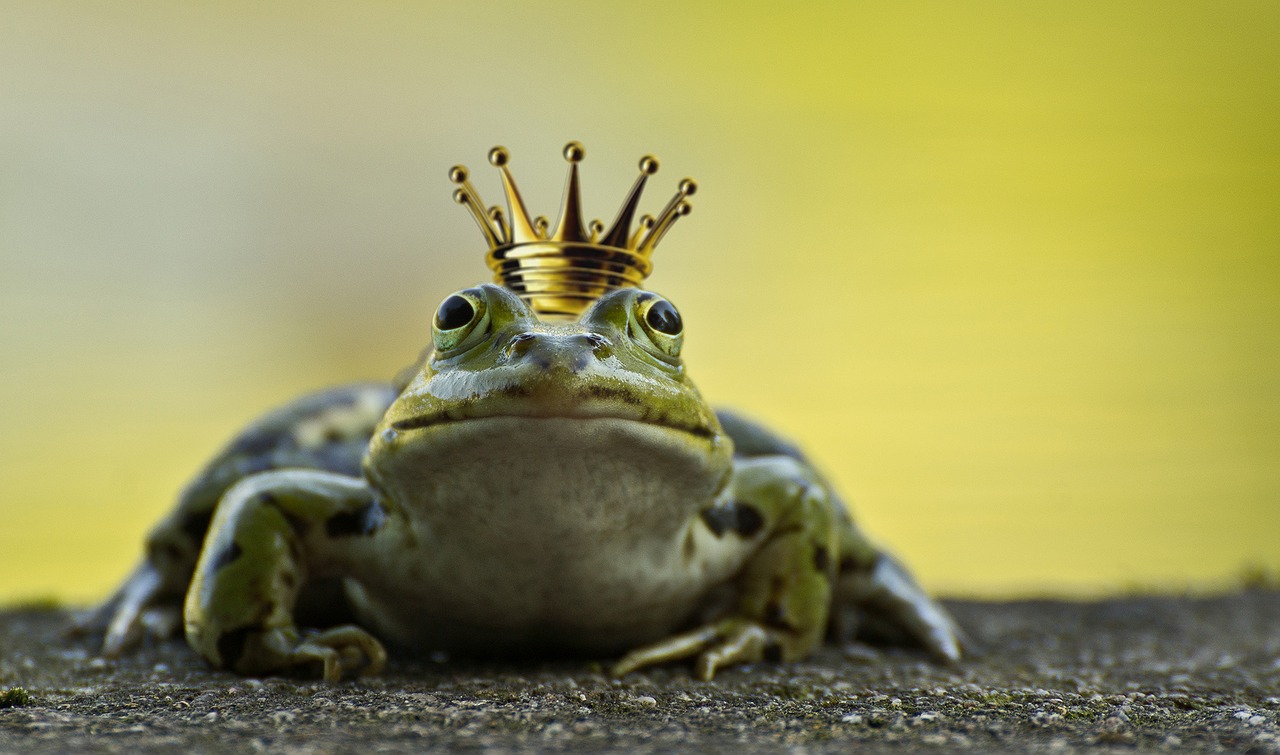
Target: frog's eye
[
  {"x": 454, "y": 312},
  {"x": 660, "y": 327},
  {"x": 458, "y": 321},
  {"x": 664, "y": 318}
]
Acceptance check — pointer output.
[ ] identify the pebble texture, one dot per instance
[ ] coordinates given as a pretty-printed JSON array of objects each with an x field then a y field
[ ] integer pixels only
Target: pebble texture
[{"x": 1145, "y": 673}]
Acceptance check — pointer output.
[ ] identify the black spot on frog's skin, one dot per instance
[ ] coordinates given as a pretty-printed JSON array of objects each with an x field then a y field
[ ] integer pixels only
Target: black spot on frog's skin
[
  {"x": 720, "y": 519},
  {"x": 773, "y": 652},
  {"x": 821, "y": 559},
  {"x": 231, "y": 645},
  {"x": 258, "y": 442},
  {"x": 847, "y": 564},
  {"x": 749, "y": 520},
  {"x": 740, "y": 518},
  {"x": 365, "y": 520},
  {"x": 226, "y": 556},
  {"x": 776, "y": 617},
  {"x": 196, "y": 524}
]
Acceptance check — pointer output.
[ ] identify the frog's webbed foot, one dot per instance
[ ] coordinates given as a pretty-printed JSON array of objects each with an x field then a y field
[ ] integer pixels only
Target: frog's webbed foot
[
  {"x": 337, "y": 652},
  {"x": 136, "y": 612},
  {"x": 344, "y": 650},
  {"x": 893, "y": 606},
  {"x": 724, "y": 643}
]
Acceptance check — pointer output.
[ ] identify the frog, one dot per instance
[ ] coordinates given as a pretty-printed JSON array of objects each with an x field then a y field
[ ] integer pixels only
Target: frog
[{"x": 529, "y": 486}]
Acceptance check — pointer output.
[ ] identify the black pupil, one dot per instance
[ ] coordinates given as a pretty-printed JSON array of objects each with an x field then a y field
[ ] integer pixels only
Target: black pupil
[
  {"x": 455, "y": 312},
  {"x": 664, "y": 318}
]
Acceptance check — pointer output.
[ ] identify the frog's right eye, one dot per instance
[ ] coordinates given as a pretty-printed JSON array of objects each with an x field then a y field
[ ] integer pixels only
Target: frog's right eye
[{"x": 461, "y": 320}]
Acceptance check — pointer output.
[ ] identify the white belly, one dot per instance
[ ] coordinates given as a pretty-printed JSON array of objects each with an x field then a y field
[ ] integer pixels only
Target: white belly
[{"x": 572, "y": 533}]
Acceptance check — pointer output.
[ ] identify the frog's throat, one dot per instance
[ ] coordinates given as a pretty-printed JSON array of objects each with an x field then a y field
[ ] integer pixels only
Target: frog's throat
[{"x": 440, "y": 418}]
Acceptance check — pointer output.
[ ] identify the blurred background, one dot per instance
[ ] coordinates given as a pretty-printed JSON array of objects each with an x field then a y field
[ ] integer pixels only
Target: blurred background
[{"x": 1010, "y": 271}]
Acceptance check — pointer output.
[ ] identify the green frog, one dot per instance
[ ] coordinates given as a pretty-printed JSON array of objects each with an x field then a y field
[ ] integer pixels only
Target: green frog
[{"x": 533, "y": 485}]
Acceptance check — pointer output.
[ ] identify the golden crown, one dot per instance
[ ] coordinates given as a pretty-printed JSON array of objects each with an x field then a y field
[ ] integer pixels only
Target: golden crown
[{"x": 561, "y": 272}]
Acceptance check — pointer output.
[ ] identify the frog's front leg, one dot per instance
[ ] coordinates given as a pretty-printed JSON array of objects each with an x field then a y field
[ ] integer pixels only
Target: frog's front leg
[
  {"x": 272, "y": 533},
  {"x": 784, "y": 588}
]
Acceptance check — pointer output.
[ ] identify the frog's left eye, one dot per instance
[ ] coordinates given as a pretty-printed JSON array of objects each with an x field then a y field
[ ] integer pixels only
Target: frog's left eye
[
  {"x": 664, "y": 318},
  {"x": 459, "y": 320},
  {"x": 661, "y": 327}
]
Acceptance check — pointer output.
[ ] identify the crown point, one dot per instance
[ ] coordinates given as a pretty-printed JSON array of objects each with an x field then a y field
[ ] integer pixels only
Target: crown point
[
  {"x": 460, "y": 196},
  {"x": 648, "y": 165},
  {"x": 684, "y": 208},
  {"x": 458, "y": 174},
  {"x": 498, "y": 156},
  {"x": 688, "y": 187},
  {"x": 574, "y": 152}
]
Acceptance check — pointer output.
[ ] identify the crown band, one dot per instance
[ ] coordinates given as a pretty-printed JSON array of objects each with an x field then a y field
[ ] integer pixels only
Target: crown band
[{"x": 561, "y": 272}]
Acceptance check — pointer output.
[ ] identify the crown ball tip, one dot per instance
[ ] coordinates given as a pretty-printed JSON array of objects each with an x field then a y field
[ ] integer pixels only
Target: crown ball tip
[
  {"x": 648, "y": 165},
  {"x": 688, "y": 187},
  {"x": 498, "y": 156},
  {"x": 574, "y": 152},
  {"x": 460, "y": 196},
  {"x": 458, "y": 174}
]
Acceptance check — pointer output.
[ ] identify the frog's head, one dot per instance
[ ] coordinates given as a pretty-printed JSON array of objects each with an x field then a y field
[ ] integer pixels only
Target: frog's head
[{"x": 497, "y": 371}]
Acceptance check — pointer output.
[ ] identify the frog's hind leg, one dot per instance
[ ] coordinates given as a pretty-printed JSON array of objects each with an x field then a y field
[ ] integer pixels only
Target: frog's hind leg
[
  {"x": 877, "y": 598},
  {"x": 328, "y": 430}
]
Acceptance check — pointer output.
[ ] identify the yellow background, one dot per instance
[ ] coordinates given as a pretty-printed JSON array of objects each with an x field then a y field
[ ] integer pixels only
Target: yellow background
[{"x": 1009, "y": 270}]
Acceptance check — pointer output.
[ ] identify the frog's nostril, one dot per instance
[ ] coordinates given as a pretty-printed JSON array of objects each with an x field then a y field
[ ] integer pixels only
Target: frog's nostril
[
  {"x": 520, "y": 344},
  {"x": 599, "y": 344}
]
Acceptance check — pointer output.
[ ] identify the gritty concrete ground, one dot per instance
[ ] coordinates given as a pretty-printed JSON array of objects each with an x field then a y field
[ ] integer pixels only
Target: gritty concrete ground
[{"x": 1160, "y": 673}]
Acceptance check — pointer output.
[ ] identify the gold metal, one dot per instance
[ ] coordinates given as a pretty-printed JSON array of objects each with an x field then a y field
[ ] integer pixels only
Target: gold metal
[{"x": 561, "y": 272}]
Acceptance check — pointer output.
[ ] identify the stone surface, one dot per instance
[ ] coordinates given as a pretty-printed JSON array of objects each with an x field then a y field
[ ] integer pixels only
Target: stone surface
[{"x": 1147, "y": 673}]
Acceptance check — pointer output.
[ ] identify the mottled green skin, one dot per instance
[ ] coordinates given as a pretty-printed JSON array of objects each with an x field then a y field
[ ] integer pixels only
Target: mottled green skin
[{"x": 529, "y": 487}]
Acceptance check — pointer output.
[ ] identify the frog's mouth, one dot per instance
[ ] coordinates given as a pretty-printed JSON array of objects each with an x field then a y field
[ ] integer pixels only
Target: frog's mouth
[{"x": 450, "y": 417}]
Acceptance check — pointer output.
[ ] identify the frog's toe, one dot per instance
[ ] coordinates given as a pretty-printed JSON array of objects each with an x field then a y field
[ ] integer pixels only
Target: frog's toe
[
  {"x": 744, "y": 643},
  {"x": 338, "y": 652},
  {"x": 342, "y": 651},
  {"x": 716, "y": 646},
  {"x": 134, "y": 614},
  {"x": 124, "y": 632}
]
